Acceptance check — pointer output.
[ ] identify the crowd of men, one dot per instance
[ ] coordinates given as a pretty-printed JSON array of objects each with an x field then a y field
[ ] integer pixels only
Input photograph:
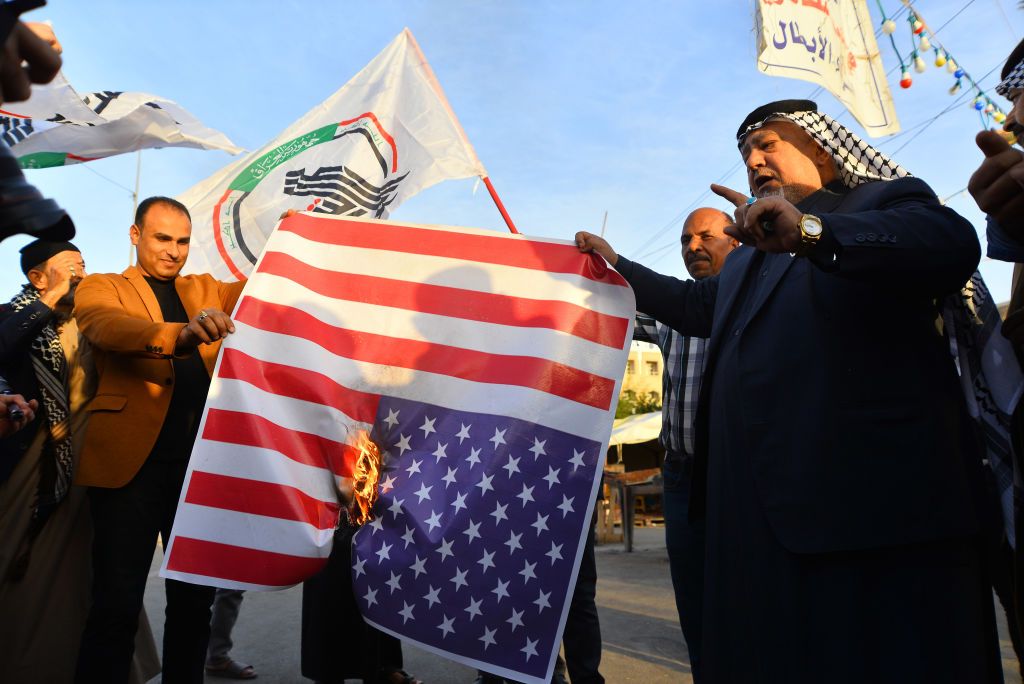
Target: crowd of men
[{"x": 837, "y": 471}]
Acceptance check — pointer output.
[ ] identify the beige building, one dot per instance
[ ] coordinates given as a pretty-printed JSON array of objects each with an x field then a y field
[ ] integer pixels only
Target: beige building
[{"x": 643, "y": 370}]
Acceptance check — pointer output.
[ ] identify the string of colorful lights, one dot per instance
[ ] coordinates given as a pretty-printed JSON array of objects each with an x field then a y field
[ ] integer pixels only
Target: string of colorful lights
[{"x": 923, "y": 41}]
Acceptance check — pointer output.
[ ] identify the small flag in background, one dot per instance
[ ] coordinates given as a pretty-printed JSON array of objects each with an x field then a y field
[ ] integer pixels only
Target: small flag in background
[
  {"x": 486, "y": 365},
  {"x": 56, "y": 126}
]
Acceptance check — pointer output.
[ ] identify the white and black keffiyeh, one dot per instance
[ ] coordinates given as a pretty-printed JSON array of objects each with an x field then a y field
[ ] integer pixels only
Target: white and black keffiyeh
[
  {"x": 1013, "y": 81},
  {"x": 51, "y": 371},
  {"x": 857, "y": 161},
  {"x": 990, "y": 374}
]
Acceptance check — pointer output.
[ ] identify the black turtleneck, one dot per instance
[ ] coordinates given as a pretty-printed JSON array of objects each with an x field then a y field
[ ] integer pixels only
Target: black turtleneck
[{"x": 191, "y": 384}]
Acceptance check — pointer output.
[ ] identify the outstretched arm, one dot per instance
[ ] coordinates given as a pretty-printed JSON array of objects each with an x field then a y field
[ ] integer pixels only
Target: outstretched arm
[{"x": 685, "y": 305}]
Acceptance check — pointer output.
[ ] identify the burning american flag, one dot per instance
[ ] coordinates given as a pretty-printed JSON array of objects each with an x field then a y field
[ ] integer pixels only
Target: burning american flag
[{"x": 484, "y": 365}]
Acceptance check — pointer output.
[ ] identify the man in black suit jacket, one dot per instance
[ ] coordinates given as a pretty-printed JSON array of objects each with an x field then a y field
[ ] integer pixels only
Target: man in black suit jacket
[{"x": 842, "y": 480}]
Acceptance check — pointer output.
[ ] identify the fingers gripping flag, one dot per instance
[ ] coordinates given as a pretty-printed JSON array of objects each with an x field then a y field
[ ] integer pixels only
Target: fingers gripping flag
[{"x": 485, "y": 365}]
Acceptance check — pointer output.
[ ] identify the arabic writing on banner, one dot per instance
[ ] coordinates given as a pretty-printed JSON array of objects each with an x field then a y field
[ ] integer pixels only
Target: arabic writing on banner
[{"x": 831, "y": 43}]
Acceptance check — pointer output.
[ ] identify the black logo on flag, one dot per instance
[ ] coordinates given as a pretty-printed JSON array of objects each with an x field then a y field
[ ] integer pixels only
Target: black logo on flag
[{"x": 341, "y": 191}]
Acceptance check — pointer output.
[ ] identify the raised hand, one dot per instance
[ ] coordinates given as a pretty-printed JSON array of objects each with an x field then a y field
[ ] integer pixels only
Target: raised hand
[
  {"x": 752, "y": 217},
  {"x": 998, "y": 184}
]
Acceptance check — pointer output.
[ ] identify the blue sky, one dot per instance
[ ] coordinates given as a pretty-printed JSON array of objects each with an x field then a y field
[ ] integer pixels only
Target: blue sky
[{"x": 575, "y": 108}]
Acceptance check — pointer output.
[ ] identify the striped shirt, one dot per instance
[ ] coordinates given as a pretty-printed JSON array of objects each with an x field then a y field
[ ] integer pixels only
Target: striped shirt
[{"x": 684, "y": 367}]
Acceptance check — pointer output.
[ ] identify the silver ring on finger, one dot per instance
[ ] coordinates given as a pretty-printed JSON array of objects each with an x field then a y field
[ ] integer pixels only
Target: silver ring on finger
[{"x": 202, "y": 316}]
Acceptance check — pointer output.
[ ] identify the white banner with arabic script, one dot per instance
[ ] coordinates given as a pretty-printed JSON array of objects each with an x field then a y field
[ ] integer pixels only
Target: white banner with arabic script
[{"x": 831, "y": 43}]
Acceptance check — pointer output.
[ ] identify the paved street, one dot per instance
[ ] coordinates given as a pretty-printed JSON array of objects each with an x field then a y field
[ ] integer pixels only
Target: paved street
[{"x": 642, "y": 642}]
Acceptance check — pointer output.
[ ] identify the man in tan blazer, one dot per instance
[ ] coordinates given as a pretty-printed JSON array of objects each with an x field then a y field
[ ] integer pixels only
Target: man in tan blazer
[{"x": 155, "y": 338}]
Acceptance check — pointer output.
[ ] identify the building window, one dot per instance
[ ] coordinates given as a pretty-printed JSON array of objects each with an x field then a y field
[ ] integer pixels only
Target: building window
[
  {"x": 630, "y": 367},
  {"x": 652, "y": 367}
]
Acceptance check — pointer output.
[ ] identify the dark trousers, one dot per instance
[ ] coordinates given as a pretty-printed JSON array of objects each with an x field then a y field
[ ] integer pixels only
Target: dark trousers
[
  {"x": 685, "y": 543},
  {"x": 582, "y": 636},
  {"x": 126, "y": 522},
  {"x": 336, "y": 643}
]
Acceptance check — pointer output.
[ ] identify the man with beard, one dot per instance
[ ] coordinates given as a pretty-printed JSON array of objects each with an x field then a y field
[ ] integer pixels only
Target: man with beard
[
  {"x": 44, "y": 548},
  {"x": 835, "y": 460},
  {"x": 35, "y": 327}
]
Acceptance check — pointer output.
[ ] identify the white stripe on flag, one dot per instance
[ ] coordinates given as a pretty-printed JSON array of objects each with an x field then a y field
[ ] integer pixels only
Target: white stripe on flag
[
  {"x": 260, "y": 532},
  {"x": 449, "y": 272},
  {"x": 490, "y": 338},
  {"x": 267, "y": 465},
  {"x": 293, "y": 414},
  {"x": 513, "y": 401}
]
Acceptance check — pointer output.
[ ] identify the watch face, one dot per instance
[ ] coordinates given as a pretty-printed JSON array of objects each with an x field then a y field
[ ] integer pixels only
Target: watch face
[{"x": 811, "y": 225}]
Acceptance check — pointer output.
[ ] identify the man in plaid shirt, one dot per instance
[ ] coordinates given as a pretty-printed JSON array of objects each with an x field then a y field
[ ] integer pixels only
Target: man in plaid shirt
[{"x": 705, "y": 247}]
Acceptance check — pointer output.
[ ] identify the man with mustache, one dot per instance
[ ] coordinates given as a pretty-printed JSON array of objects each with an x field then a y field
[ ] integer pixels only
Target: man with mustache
[
  {"x": 836, "y": 464},
  {"x": 705, "y": 247},
  {"x": 44, "y": 548}
]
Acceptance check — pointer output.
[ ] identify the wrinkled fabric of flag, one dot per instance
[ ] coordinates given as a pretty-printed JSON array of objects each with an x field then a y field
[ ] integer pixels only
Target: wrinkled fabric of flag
[
  {"x": 485, "y": 365},
  {"x": 57, "y": 126},
  {"x": 384, "y": 136}
]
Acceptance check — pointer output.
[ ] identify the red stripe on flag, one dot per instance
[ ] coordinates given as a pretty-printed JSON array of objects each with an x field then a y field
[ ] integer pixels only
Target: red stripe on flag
[
  {"x": 387, "y": 136},
  {"x": 246, "y": 429},
  {"x": 505, "y": 251},
  {"x": 219, "y": 241},
  {"x": 240, "y": 564},
  {"x": 451, "y": 301},
  {"x": 299, "y": 383},
  {"x": 260, "y": 498},
  {"x": 467, "y": 364}
]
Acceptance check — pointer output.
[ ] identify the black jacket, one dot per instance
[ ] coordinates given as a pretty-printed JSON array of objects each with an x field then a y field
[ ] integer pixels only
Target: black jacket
[{"x": 851, "y": 405}]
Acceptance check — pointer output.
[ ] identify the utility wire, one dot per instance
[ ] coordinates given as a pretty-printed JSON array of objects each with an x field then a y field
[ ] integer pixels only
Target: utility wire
[
  {"x": 940, "y": 114},
  {"x": 107, "y": 178}
]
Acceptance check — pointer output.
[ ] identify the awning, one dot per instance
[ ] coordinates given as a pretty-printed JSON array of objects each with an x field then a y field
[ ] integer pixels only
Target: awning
[{"x": 635, "y": 429}]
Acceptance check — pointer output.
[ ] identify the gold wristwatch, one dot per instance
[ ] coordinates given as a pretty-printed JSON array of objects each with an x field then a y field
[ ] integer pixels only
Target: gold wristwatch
[{"x": 811, "y": 229}]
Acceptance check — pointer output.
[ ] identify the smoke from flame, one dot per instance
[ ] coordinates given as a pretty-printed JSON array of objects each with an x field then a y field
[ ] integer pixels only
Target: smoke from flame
[{"x": 365, "y": 477}]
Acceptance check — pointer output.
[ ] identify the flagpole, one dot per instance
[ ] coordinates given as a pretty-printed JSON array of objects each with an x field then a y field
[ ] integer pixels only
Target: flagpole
[
  {"x": 135, "y": 201},
  {"x": 501, "y": 207}
]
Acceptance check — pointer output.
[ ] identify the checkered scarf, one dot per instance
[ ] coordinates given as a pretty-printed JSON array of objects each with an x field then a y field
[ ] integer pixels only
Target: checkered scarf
[
  {"x": 51, "y": 370},
  {"x": 990, "y": 374},
  {"x": 1013, "y": 80},
  {"x": 856, "y": 160}
]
